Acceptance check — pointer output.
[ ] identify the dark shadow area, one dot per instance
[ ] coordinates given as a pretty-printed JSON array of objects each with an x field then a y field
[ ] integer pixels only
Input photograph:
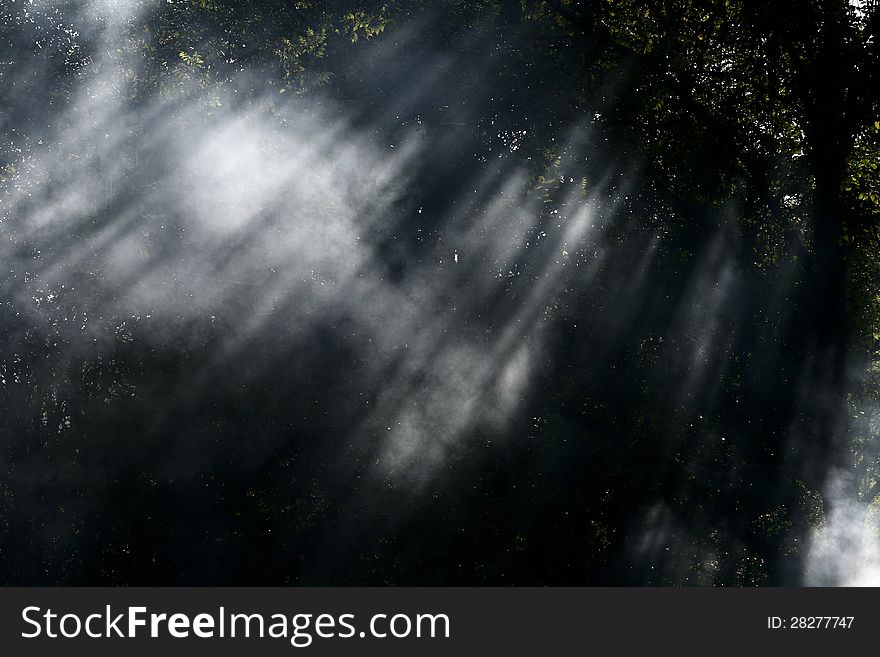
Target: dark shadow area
[{"x": 443, "y": 312}]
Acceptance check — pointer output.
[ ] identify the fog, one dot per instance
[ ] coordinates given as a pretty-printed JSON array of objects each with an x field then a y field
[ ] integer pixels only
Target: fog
[{"x": 239, "y": 323}]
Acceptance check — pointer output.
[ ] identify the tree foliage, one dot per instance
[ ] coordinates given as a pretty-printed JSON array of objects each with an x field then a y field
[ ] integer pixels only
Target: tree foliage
[{"x": 721, "y": 139}]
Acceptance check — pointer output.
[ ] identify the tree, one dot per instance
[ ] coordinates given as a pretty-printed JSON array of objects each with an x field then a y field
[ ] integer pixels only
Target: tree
[{"x": 688, "y": 393}]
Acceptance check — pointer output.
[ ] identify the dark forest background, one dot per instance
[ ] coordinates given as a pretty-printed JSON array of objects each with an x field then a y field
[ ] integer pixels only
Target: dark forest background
[{"x": 450, "y": 292}]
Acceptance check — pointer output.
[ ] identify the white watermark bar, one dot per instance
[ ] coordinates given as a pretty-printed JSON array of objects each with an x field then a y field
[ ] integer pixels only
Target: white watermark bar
[{"x": 429, "y": 621}]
